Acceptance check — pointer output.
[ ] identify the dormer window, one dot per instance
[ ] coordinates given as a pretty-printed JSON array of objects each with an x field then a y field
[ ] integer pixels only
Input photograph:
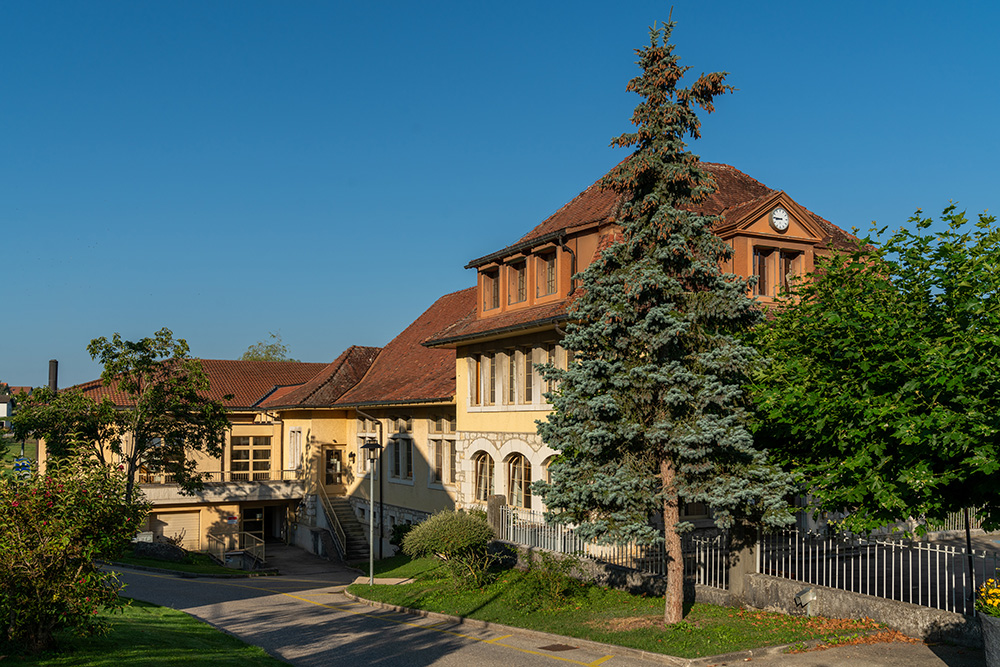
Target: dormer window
[
  {"x": 491, "y": 289},
  {"x": 546, "y": 281},
  {"x": 517, "y": 290}
]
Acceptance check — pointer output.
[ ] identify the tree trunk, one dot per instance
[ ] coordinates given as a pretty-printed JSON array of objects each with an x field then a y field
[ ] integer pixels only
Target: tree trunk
[{"x": 673, "y": 610}]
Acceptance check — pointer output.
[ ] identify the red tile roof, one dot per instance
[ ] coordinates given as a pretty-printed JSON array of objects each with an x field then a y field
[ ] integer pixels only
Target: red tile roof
[
  {"x": 247, "y": 381},
  {"x": 596, "y": 205},
  {"x": 407, "y": 372},
  {"x": 507, "y": 322},
  {"x": 329, "y": 384}
]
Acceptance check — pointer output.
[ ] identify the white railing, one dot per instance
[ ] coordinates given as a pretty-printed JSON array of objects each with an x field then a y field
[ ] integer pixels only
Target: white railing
[
  {"x": 222, "y": 476},
  {"x": 705, "y": 557},
  {"x": 926, "y": 574},
  {"x": 956, "y": 521}
]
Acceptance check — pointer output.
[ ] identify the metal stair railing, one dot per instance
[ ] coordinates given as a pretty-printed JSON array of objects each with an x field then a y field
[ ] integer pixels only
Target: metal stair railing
[
  {"x": 219, "y": 544},
  {"x": 337, "y": 532}
]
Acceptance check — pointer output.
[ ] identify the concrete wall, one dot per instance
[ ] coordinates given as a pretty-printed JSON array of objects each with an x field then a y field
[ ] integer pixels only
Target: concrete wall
[{"x": 774, "y": 594}]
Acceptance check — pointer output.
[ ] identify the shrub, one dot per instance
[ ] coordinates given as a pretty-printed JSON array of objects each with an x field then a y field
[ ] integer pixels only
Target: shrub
[
  {"x": 52, "y": 527},
  {"x": 549, "y": 577},
  {"x": 460, "y": 539}
]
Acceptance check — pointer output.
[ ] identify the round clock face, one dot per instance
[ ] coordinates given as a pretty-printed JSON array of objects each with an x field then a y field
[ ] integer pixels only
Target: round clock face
[{"x": 779, "y": 219}]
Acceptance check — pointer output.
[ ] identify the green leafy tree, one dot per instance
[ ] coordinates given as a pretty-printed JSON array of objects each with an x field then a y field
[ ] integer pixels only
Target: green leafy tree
[
  {"x": 165, "y": 413},
  {"x": 52, "y": 527},
  {"x": 883, "y": 391},
  {"x": 63, "y": 419},
  {"x": 272, "y": 350},
  {"x": 652, "y": 412}
]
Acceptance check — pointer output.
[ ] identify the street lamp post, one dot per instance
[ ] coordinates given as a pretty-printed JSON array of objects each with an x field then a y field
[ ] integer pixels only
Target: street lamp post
[{"x": 372, "y": 449}]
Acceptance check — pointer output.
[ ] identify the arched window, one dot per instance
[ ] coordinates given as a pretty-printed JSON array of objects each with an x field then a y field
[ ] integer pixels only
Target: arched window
[
  {"x": 518, "y": 481},
  {"x": 484, "y": 476}
]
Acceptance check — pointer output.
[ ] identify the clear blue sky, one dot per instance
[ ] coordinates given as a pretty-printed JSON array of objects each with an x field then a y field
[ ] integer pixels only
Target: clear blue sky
[{"x": 325, "y": 170}]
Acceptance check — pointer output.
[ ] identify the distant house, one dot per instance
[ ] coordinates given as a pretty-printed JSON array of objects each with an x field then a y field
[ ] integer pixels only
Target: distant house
[{"x": 8, "y": 402}]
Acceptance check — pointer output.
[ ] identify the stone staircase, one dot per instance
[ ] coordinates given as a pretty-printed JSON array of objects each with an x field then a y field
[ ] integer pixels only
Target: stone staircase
[{"x": 355, "y": 531}]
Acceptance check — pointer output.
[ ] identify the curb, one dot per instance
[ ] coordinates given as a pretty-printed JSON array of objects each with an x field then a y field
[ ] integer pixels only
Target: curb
[
  {"x": 662, "y": 658},
  {"x": 270, "y": 572}
]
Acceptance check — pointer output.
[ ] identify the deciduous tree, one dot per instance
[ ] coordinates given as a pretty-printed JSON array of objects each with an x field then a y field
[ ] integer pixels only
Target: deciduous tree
[
  {"x": 166, "y": 412},
  {"x": 883, "y": 391},
  {"x": 651, "y": 413},
  {"x": 267, "y": 350}
]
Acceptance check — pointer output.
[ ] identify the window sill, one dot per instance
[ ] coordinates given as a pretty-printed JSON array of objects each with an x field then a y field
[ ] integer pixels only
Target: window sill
[{"x": 533, "y": 407}]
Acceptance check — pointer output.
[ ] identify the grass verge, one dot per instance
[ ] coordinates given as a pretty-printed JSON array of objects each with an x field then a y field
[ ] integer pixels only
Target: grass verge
[
  {"x": 195, "y": 563},
  {"x": 149, "y": 636},
  {"x": 604, "y": 615}
]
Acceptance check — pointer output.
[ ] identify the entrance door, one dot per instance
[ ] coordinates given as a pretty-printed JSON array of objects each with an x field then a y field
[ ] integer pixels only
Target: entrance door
[
  {"x": 333, "y": 467},
  {"x": 253, "y": 521}
]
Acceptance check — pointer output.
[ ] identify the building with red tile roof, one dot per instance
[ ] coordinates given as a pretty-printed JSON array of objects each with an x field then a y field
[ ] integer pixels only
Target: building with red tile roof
[
  {"x": 405, "y": 401},
  {"x": 524, "y": 292}
]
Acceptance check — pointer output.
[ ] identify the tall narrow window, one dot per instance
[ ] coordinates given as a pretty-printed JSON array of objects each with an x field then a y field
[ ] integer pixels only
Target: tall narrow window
[
  {"x": 477, "y": 380},
  {"x": 491, "y": 380},
  {"x": 788, "y": 262},
  {"x": 452, "y": 461},
  {"x": 550, "y": 359},
  {"x": 529, "y": 376},
  {"x": 483, "y": 467},
  {"x": 519, "y": 481},
  {"x": 511, "y": 377},
  {"x": 438, "y": 473},
  {"x": 517, "y": 291},
  {"x": 491, "y": 289},
  {"x": 546, "y": 280},
  {"x": 402, "y": 458},
  {"x": 761, "y": 258},
  {"x": 294, "y": 449}
]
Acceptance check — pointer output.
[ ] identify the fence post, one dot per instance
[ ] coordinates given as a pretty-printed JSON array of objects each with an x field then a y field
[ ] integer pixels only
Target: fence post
[
  {"x": 493, "y": 517},
  {"x": 743, "y": 546}
]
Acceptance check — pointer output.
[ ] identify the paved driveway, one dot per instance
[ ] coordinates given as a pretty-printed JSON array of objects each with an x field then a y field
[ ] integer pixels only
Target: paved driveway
[{"x": 303, "y": 617}]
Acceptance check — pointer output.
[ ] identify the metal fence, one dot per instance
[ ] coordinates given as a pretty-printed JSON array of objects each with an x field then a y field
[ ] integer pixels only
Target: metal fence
[
  {"x": 926, "y": 574},
  {"x": 705, "y": 557}
]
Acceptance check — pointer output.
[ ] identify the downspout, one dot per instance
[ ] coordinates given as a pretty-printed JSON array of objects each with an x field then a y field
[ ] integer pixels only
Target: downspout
[
  {"x": 381, "y": 505},
  {"x": 566, "y": 248}
]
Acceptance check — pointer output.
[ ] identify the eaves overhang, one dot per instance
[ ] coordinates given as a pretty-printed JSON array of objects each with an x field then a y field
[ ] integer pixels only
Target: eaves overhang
[
  {"x": 516, "y": 248},
  {"x": 493, "y": 334}
]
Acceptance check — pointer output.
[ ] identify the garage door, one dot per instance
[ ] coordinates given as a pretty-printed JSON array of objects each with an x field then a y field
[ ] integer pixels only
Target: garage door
[{"x": 183, "y": 525}]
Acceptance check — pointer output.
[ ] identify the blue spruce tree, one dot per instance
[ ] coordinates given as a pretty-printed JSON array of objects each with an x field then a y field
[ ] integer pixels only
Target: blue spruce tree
[{"x": 652, "y": 412}]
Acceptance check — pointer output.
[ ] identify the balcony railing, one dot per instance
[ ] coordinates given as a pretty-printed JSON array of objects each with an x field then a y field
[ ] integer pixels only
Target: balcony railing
[{"x": 222, "y": 476}]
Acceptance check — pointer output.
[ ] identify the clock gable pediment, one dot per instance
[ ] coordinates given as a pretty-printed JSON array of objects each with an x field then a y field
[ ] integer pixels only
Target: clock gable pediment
[{"x": 776, "y": 216}]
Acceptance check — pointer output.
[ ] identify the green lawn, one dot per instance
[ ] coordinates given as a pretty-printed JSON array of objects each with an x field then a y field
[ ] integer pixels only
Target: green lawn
[
  {"x": 149, "y": 636},
  {"x": 9, "y": 450},
  {"x": 196, "y": 563},
  {"x": 610, "y": 616}
]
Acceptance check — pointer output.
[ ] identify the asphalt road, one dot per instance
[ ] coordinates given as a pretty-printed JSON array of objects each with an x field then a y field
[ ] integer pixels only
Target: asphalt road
[
  {"x": 306, "y": 620},
  {"x": 303, "y": 618}
]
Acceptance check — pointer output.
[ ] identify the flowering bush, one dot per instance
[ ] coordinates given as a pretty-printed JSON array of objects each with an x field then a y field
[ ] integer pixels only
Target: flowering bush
[
  {"x": 52, "y": 527},
  {"x": 988, "y": 598}
]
